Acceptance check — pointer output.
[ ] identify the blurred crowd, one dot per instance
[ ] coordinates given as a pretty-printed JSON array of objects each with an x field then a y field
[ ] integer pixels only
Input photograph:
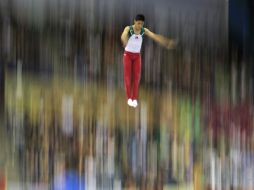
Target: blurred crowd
[{"x": 65, "y": 127}]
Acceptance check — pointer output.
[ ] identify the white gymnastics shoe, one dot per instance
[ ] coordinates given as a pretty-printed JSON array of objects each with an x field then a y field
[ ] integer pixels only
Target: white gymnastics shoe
[
  {"x": 134, "y": 103},
  {"x": 130, "y": 103}
]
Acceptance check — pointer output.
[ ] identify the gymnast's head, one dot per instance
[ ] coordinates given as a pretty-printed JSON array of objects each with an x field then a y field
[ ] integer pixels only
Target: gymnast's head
[{"x": 139, "y": 21}]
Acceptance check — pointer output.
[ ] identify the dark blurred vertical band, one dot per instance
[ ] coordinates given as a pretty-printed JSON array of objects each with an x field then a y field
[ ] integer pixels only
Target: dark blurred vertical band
[{"x": 1, "y": 88}]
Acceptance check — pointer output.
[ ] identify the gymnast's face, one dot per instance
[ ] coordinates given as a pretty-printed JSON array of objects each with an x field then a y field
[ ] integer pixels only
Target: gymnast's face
[{"x": 138, "y": 24}]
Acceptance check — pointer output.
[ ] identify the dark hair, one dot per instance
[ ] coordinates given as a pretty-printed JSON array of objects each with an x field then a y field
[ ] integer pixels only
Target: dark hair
[{"x": 140, "y": 17}]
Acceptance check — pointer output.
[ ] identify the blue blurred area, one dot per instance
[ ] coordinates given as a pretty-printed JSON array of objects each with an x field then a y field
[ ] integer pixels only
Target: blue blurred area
[
  {"x": 70, "y": 180},
  {"x": 240, "y": 16}
]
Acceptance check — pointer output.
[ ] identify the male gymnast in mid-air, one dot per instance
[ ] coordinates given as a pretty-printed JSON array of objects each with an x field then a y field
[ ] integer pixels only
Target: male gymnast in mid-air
[{"x": 132, "y": 38}]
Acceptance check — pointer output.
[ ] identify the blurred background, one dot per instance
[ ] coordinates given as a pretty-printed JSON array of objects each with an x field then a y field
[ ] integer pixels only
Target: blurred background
[{"x": 64, "y": 120}]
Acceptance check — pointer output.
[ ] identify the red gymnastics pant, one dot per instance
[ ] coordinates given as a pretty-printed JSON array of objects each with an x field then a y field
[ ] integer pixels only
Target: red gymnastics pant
[{"x": 132, "y": 70}]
